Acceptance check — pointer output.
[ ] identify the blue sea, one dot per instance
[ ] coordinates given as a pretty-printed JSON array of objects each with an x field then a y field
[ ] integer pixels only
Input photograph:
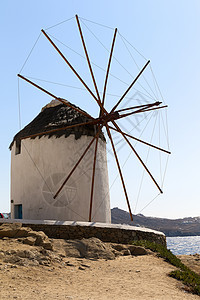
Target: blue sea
[{"x": 184, "y": 244}]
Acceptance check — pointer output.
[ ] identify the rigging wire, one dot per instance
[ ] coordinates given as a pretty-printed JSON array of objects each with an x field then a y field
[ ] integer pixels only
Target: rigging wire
[
  {"x": 138, "y": 69},
  {"x": 142, "y": 179},
  {"x": 102, "y": 69},
  {"x": 30, "y": 53},
  {"x": 74, "y": 87},
  {"x": 166, "y": 118},
  {"x": 85, "y": 58},
  {"x": 19, "y": 105},
  {"x": 150, "y": 202},
  {"x": 133, "y": 47},
  {"x": 60, "y": 23},
  {"x": 113, "y": 55},
  {"x": 112, "y": 28},
  {"x": 165, "y": 171}
]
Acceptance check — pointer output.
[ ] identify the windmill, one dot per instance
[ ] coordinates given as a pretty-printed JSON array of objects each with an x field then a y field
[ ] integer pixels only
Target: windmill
[{"x": 107, "y": 119}]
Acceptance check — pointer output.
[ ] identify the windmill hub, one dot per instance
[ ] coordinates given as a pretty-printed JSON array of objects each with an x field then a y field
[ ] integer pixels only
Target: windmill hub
[{"x": 109, "y": 117}]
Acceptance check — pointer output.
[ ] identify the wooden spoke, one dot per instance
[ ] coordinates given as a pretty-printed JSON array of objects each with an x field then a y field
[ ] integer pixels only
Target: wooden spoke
[
  {"x": 139, "y": 106},
  {"x": 108, "y": 68},
  {"x": 141, "y": 110},
  {"x": 134, "y": 81},
  {"x": 93, "y": 176},
  {"x": 71, "y": 67},
  {"x": 78, "y": 162},
  {"x": 58, "y": 129},
  {"x": 119, "y": 130},
  {"x": 55, "y": 97},
  {"x": 149, "y": 109},
  {"x": 120, "y": 172},
  {"x": 141, "y": 141},
  {"x": 87, "y": 56}
]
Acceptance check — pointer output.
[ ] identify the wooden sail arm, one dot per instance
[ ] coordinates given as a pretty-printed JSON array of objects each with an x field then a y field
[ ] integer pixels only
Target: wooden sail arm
[
  {"x": 72, "y": 68},
  {"x": 78, "y": 162},
  {"x": 139, "y": 106},
  {"x": 137, "y": 155},
  {"x": 108, "y": 68},
  {"x": 119, "y": 169},
  {"x": 58, "y": 129},
  {"x": 55, "y": 97},
  {"x": 93, "y": 176},
  {"x": 141, "y": 141},
  {"x": 131, "y": 85},
  {"x": 141, "y": 111},
  {"x": 87, "y": 57}
]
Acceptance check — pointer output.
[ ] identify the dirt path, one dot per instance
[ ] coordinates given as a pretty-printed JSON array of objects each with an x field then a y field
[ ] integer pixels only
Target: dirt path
[
  {"x": 35, "y": 267},
  {"x": 142, "y": 277}
]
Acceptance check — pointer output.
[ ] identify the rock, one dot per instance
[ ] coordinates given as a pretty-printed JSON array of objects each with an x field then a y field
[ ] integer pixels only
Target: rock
[
  {"x": 126, "y": 252},
  {"x": 41, "y": 239},
  {"x": 119, "y": 247},
  {"x": 30, "y": 240},
  {"x": 81, "y": 268},
  {"x": 47, "y": 245},
  {"x": 94, "y": 248},
  {"x": 137, "y": 250},
  {"x": 14, "y": 230}
]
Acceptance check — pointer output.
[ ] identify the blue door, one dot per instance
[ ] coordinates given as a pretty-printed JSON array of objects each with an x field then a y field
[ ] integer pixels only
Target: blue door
[{"x": 18, "y": 211}]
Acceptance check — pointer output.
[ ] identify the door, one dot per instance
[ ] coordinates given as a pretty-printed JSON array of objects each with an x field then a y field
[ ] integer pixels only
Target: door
[{"x": 18, "y": 211}]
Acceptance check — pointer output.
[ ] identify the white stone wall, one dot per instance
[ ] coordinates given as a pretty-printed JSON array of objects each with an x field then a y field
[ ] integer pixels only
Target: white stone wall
[{"x": 42, "y": 166}]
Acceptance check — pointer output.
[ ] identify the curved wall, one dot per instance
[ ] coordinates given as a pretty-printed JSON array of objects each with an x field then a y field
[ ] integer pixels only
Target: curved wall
[{"x": 41, "y": 167}]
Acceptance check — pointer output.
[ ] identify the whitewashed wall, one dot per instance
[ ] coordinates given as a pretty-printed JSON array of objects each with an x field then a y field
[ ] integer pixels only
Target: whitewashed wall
[{"x": 36, "y": 174}]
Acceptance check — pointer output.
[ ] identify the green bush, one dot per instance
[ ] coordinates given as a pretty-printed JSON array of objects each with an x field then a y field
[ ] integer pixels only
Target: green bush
[{"x": 184, "y": 274}]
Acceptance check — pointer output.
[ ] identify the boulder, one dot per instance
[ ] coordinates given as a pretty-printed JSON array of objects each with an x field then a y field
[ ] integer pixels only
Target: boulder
[{"x": 89, "y": 248}]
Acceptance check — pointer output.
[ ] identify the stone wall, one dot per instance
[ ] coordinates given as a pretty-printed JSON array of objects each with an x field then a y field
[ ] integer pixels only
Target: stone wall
[{"x": 123, "y": 234}]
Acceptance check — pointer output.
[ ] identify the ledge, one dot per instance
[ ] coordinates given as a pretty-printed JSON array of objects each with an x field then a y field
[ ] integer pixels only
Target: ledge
[{"x": 115, "y": 233}]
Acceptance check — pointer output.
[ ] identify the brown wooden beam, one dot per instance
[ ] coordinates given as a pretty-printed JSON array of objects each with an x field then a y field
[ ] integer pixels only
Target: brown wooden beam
[
  {"x": 55, "y": 97},
  {"x": 131, "y": 85},
  {"x": 141, "y": 141},
  {"x": 141, "y": 111},
  {"x": 119, "y": 130},
  {"x": 58, "y": 129},
  {"x": 120, "y": 172},
  {"x": 87, "y": 56},
  {"x": 108, "y": 68},
  {"x": 139, "y": 106},
  {"x": 78, "y": 162},
  {"x": 93, "y": 176},
  {"x": 68, "y": 63}
]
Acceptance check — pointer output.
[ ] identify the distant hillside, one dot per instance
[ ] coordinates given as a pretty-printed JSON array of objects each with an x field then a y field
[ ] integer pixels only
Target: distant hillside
[{"x": 177, "y": 227}]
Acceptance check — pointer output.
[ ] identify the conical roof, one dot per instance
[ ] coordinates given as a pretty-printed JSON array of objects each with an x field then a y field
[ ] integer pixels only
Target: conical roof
[{"x": 57, "y": 115}]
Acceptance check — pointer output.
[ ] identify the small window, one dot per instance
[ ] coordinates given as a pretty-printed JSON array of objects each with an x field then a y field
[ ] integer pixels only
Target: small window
[{"x": 18, "y": 147}]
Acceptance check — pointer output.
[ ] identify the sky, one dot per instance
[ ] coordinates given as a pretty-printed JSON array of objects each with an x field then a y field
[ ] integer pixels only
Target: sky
[{"x": 166, "y": 32}]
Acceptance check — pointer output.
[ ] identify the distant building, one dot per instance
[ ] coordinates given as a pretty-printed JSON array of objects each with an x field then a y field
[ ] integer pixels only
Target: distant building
[{"x": 40, "y": 164}]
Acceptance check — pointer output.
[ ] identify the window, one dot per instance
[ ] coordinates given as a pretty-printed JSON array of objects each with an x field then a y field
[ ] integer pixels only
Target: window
[{"x": 18, "y": 147}]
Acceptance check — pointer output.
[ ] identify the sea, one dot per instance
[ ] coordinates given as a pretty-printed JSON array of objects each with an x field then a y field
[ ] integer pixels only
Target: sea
[{"x": 181, "y": 245}]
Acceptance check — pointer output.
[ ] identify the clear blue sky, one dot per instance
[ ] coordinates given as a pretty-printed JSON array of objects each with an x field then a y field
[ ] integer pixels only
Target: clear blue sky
[{"x": 166, "y": 32}]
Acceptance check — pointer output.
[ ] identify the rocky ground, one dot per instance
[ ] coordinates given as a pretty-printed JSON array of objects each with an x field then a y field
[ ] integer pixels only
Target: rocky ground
[{"x": 32, "y": 266}]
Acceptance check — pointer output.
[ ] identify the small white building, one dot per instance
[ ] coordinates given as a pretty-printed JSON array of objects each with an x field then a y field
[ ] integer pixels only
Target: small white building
[{"x": 39, "y": 165}]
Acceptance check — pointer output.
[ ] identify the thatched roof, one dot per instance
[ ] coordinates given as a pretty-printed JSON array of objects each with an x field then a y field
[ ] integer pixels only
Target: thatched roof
[{"x": 55, "y": 116}]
